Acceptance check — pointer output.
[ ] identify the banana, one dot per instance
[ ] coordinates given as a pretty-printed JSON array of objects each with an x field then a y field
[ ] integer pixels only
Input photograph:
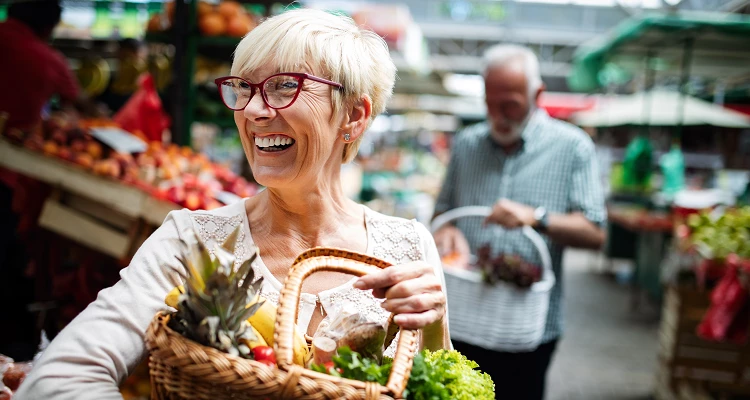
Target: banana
[
  {"x": 174, "y": 296},
  {"x": 263, "y": 321}
]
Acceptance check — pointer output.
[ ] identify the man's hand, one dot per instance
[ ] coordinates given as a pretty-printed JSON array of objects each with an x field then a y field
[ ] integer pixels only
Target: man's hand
[
  {"x": 510, "y": 214},
  {"x": 411, "y": 291},
  {"x": 450, "y": 241}
]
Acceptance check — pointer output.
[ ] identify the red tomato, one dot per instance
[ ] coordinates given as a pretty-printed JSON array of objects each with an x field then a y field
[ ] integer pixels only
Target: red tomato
[
  {"x": 331, "y": 367},
  {"x": 268, "y": 363},
  {"x": 264, "y": 353}
]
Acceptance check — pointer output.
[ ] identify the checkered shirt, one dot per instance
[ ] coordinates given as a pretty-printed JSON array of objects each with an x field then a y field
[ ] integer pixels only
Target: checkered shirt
[{"x": 554, "y": 168}]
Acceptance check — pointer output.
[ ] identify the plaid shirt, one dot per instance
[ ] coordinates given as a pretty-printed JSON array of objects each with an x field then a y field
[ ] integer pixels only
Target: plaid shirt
[{"x": 555, "y": 167}]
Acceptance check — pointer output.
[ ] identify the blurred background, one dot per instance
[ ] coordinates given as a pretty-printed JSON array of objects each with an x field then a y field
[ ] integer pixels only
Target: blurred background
[{"x": 661, "y": 86}]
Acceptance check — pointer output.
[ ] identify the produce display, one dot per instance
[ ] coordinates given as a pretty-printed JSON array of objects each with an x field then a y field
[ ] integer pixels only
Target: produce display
[
  {"x": 718, "y": 236},
  {"x": 228, "y": 18},
  {"x": 168, "y": 172}
]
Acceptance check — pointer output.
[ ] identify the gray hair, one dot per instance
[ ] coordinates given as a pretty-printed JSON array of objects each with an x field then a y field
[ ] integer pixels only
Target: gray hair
[
  {"x": 343, "y": 52},
  {"x": 503, "y": 54}
]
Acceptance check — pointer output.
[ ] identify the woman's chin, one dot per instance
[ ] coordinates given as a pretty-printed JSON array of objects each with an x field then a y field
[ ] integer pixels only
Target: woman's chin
[{"x": 272, "y": 178}]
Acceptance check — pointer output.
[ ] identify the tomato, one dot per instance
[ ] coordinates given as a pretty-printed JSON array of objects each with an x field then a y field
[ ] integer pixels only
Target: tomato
[
  {"x": 268, "y": 363},
  {"x": 331, "y": 368},
  {"x": 264, "y": 353}
]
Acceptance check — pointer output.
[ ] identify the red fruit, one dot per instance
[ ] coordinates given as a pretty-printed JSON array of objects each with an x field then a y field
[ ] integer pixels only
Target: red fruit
[
  {"x": 6, "y": 393},
  {"x": 264, "y": 353},
  {"x": 50, "y": 148},
  {"x": 193, "y": 201},
  {"x": 65, "y": 153},
  {"x": 59, "y": 137},
  {"x": 13, "y": 377},
  {"x": 176, "y": 194},
  {"x": 331, "y": 368},
  {"x": 94, "y": 149}
]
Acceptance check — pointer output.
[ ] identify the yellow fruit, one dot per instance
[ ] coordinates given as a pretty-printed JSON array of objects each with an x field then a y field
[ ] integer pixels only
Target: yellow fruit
[
  {"x": 173, "y": 296},
  {"x": 263, "y": 321}
]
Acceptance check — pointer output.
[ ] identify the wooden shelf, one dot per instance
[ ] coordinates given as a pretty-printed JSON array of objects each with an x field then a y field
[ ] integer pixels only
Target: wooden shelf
[{"x": 130, "y": 201}]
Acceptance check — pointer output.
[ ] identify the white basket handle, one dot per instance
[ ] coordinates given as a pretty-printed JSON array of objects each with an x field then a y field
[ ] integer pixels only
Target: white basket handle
[{"x": 548, "y": 278}]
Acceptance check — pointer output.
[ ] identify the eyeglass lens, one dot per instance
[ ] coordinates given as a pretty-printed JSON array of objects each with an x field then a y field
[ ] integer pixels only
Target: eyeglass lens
[{"x": 279, "y": 91}]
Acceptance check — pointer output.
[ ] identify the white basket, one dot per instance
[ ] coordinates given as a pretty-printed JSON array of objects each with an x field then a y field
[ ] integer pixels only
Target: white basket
[{"x": 501, "y": 316}]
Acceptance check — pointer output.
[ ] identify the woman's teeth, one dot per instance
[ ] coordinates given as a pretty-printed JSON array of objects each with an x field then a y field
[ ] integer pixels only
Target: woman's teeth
[{"x": 275, "y": 143}]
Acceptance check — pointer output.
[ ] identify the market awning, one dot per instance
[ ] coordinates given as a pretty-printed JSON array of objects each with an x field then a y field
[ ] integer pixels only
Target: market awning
[
  {"x": 720, "y": 47},
  {"x": 659, "y": 108}
]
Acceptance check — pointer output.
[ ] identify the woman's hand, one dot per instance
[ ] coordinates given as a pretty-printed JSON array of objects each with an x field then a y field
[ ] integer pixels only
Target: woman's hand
[{"x": 411, "y": 291}]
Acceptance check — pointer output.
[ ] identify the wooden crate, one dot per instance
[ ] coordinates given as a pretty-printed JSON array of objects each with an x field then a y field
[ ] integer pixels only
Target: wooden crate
[{"x": 719, "y": 367}]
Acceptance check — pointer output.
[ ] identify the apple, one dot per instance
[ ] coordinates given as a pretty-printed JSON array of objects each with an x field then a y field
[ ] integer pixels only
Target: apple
[
  {"x": 193, "y": 201},
  {"x": 66, "y": 153},
  {"x": 94, "y": 149},
  {"x": 78, "y": 146},
  {"x": 84, "y": 159},
  {"x": 176, "y": 194},
  {"x": 50, "y": 148}
]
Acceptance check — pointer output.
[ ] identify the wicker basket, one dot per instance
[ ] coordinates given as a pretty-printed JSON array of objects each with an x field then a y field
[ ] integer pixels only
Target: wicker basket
[
  {"x": 183, "y": 369},
  {"x": 500, "y": 316}
]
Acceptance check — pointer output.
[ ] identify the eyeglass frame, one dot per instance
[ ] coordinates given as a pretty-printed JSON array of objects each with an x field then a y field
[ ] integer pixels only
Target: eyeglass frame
[{"x": 260, "y": 87}]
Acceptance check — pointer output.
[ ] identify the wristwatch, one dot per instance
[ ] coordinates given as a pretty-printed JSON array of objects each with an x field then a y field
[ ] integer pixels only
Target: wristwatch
[{"x": 541, "y": 218}]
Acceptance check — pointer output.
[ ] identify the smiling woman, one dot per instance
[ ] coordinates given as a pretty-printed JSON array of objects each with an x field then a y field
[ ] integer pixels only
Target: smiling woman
[{"x": 322, "y": 80}]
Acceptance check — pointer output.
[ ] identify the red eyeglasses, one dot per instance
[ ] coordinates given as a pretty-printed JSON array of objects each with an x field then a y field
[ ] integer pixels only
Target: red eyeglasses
[{"x": 278, "y": 91}]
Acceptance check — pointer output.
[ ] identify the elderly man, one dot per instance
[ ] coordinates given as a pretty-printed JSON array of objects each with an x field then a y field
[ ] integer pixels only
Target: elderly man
[{"x": 533, "y": 170}]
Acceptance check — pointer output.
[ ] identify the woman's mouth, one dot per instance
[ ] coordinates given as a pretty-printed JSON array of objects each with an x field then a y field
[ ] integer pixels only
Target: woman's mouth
[{"x": 273, "y": 143}]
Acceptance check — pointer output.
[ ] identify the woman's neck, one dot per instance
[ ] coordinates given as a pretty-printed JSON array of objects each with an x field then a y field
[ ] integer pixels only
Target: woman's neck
[{"x": 309, "y": 216}]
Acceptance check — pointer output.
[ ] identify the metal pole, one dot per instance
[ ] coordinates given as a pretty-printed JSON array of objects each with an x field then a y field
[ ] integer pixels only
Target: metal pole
[
  {"x": 687, "y": 58},
  {"x": 647, "y": 86}
]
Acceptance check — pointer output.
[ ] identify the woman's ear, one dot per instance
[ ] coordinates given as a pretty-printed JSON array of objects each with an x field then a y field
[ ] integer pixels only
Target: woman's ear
[{"x": 357, "y": 115}]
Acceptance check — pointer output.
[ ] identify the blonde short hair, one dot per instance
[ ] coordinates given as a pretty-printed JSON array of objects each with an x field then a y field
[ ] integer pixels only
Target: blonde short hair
[{"x": 342, "y": 51}]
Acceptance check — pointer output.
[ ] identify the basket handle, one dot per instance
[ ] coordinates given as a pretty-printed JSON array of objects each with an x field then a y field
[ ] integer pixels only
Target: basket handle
[
  {"x": 335, "y": 260},
  {"x": 482, "y": 211}
]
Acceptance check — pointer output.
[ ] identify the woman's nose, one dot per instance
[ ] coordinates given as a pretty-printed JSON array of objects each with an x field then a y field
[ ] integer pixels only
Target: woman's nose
[{"x": 257, "y": 109}]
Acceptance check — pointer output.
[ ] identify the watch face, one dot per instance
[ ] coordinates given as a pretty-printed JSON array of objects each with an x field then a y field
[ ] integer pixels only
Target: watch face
[{"x": 539, "y": 213}]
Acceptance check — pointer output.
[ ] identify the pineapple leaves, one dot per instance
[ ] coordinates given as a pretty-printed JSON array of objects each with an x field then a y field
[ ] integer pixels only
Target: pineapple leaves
[
  {"x": 231, "y": 240},
  {"x": 217, "y": 301}
]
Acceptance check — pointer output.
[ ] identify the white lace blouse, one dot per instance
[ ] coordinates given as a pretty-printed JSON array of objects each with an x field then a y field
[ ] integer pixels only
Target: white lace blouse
[{"x": 100, "y": 347}]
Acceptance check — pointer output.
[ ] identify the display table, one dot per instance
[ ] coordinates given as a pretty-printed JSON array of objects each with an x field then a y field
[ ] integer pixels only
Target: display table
[{"x": 103, "y": 214}]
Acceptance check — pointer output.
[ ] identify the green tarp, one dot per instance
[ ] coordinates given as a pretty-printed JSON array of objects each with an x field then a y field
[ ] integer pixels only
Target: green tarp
[{"x": 595, "y": 63}]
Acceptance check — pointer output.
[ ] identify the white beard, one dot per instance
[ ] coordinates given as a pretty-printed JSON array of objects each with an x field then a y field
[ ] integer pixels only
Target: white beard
[{"x": 516, "y": 129}]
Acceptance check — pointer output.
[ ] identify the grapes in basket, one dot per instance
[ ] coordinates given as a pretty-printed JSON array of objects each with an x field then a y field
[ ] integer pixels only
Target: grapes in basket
[{"x": 507, "y": 267}]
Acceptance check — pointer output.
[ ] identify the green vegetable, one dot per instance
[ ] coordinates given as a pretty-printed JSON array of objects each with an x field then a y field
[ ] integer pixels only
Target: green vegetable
[
  {"x": 448, "y": 374},
  {"x": 440, "y": 375}
]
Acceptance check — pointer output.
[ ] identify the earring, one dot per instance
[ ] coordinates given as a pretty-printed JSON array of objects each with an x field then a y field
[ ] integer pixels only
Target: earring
[{"x": 347, "y": 137}]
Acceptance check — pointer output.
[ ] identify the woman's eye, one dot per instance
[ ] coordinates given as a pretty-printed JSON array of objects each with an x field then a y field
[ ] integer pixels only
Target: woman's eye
[
  {"x": 244, "y": 85},
  {"x": 288, "y": 85}
]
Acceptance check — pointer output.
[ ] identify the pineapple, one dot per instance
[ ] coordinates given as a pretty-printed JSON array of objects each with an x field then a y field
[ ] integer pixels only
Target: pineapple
[{"x": 217, "y": 301}]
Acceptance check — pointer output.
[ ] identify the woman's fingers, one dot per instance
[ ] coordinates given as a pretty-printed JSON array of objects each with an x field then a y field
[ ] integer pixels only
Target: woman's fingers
[
  {"x": 415, "y": 304},
  {"x": 390, "y": 276},
  {"x": 417, "y": 321}
]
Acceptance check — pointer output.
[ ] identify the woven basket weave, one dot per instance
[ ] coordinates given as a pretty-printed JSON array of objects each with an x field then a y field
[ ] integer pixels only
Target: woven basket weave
[{"x": 183, "y": 369}]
